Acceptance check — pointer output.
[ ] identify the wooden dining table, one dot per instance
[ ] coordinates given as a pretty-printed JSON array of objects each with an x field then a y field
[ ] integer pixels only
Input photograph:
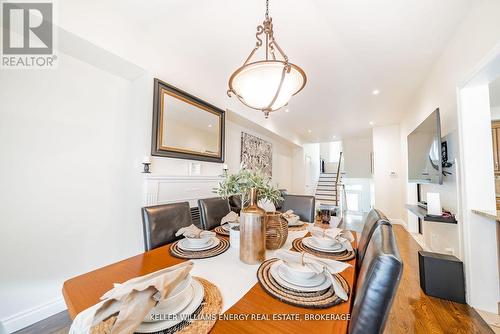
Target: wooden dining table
[{"x": 263, "y": 313}]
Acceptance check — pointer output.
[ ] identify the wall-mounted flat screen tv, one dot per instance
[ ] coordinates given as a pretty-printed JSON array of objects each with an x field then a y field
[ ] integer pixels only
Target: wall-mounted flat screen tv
[{"x": 424, "y": 151}]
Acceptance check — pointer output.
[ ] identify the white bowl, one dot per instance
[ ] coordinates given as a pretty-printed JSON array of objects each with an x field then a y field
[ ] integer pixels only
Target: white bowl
[
  {"x": 178, "y": 297},
  {"x": 297, "y": 271},
  {"x": 198, "y": 242},
  {"x": 324, "y": 242}
]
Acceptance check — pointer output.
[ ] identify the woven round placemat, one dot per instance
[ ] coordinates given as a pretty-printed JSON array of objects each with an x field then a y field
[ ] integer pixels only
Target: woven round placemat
[
  {"x": 176, "y": 251},
  {"x": 207, "y": 314},
  {"x": 315, "y": 300},
  {"x": 297, "y": 228},
  {"x": 341, "y": 256},
  {"x": 221, "y": 231}
]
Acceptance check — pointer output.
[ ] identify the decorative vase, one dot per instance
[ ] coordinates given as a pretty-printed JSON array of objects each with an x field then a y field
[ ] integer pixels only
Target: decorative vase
[
  {"x": 252, "y": 232},
  {"x": 276, "y": 230}
]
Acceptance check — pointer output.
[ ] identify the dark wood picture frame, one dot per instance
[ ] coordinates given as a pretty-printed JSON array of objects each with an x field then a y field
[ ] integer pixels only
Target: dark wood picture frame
[{"x": 156, "y": 138}]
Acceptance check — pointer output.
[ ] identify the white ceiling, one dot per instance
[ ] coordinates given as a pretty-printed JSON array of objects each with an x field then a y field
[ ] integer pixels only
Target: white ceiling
[{"x": 347, "y": 48}]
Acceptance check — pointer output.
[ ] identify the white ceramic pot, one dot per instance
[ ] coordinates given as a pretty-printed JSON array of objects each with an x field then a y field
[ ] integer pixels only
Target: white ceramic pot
[{"x": 234, "y": 237}]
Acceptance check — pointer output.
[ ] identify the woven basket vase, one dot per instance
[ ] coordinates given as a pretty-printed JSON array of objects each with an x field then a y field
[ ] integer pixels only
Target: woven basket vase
[{"x": 276, "y": 230}]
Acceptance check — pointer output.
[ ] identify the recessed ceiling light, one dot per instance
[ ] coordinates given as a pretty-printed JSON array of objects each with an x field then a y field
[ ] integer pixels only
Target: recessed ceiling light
[
  {"x": 333, "y": 137},
  {"x": 287, "y": 110},
  {"x": 209, "y": 125},
  {"x": 371, "y": 123},
  {"x": 309, "y": 130},
  {"x": 375, "y": 92}
]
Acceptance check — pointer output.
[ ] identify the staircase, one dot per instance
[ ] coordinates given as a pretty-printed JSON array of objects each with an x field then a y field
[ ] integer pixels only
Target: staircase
[{"x": 327, "y": 190}]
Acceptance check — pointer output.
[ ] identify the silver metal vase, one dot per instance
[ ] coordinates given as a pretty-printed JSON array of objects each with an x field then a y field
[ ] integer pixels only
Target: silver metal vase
[{"x": 252, "y": 232}]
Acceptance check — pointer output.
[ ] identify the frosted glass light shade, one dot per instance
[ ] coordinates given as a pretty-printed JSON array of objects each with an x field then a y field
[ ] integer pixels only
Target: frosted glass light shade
[{"x": 257, "y": 84}]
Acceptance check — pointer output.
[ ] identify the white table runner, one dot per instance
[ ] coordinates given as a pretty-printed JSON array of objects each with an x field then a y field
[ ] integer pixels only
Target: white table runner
[{"x": 233, "y": 277}]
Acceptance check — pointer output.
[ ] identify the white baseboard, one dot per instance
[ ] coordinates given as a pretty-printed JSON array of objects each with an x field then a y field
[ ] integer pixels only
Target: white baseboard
[{"x": 28, "y": 317}]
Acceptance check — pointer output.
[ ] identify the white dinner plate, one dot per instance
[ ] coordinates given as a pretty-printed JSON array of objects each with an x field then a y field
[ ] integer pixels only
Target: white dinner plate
[
  {"x": 151, "y": 327},
  {"x": 281, "y": 281},
  {"x": 312, "y": 282},
  {"x": 309, "y": 242},
  {"x": 184, "y": 245}
]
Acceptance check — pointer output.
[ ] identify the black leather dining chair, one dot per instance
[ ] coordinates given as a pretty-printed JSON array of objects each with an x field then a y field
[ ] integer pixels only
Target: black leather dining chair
[
  {"x": 160, "y": 222},
  {"x": 377, "y": 283},
  {"x": 372, "y": 221},
  {"x": 212, "y": 210},
  {"x": 302, "y": 205},
  {"x": 235, "y": 203}
]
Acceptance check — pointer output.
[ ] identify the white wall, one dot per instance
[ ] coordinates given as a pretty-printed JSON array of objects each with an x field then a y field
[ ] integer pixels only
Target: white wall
[
  {"x": 70, "y": 182},
  {"x": 477, "y": 35},
  {"x": 387, "y": 170},
  {"x": 312, "y": 167},
  {"x": 282, "y": 156},
  {"x": 357, "y": 157}
]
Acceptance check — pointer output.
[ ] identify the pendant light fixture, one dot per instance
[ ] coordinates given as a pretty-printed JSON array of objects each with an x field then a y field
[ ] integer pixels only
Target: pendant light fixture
[{"x": 266, "y": 84}]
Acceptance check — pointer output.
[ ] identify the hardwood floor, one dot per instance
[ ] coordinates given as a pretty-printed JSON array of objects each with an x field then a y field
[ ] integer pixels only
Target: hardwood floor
[
  {"x": 412, "y": 311},
  {"x": 56, "y": 324},
  {"x": 415, "y": 312}
]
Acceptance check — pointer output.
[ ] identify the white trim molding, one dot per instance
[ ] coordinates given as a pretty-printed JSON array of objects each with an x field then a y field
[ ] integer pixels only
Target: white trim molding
[
  {"x": 28, "y": 317},
  {"x": 163, "y": 189}
]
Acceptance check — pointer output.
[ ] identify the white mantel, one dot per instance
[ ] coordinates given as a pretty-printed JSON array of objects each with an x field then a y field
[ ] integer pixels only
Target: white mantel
[{"x": 163, "y": 189}]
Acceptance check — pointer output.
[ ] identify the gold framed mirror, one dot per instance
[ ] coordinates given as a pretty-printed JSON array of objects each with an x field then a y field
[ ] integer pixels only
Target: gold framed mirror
[{"x": 185, "y": 126}]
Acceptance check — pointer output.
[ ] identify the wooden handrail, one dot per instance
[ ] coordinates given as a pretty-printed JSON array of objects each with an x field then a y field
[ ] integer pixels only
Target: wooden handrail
[{"x": 337, "y": 181}]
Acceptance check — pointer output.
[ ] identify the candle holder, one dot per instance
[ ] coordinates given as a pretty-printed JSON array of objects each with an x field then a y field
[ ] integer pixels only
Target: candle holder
[{"x": 146, "y": 167}]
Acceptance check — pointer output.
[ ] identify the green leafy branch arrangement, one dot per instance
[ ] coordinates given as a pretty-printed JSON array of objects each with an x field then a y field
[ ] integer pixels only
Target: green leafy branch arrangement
[{"x": 241, "y": 183}]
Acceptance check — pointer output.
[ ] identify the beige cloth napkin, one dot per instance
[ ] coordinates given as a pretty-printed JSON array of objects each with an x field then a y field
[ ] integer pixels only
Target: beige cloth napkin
[
  {"x": 342, "y": 236},
  {"x": 135, "y": 298},
  {"x": 290, "y": 216},
  {"x": 229, "y": 218},
  {"x": 194, "y": 232},
  {"x": 317, "y": 265}
]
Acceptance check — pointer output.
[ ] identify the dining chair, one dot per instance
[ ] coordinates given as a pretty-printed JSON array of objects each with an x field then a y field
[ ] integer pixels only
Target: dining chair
[
  {"x": 212, "y": 210},
  {"x": 302, "y": 205},
  {"x": 160, "y": 222},
  {"x": 372, "y": 221},
  {"x": 377, "y": 283},
  {"x": 235, "y": 203}
]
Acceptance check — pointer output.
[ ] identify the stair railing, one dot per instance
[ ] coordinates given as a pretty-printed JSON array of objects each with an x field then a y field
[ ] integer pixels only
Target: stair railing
[{"x": 337, "y": 181}]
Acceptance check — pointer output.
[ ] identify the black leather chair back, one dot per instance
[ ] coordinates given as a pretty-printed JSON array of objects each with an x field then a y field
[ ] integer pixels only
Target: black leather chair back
[
  {"x": 377, "y": 283},
  {"x": 212, "y": 210},
  {"x": 373, "y": 219},
  {"x": 302, "y": 205},
  {"x": 160, "y": 222},
  {"x": 279, "y": 205},
  {"x": 235, "y": 203}
]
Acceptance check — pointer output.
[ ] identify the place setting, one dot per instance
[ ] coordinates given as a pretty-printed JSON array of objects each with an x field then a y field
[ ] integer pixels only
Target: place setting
[
  {"x": 166, "y": 301},
  {"x": 304, "y": 280},
  {"x": 197, "y": 244},
  {"x": 294, "y": 222},
  {"x": 332, "y": 243},
  {"x": 227, "y": 222}
]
